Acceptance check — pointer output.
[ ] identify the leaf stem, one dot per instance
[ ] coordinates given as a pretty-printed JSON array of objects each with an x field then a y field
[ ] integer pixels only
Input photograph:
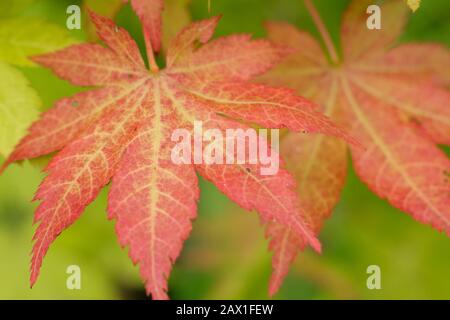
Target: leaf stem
[
  {"x": 150, "y": 55},
  {"x": 322, "y": 30},
  {"x": 152, "y": 63}
]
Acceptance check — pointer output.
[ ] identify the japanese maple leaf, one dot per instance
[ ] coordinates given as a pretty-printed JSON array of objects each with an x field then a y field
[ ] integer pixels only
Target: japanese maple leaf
[
  {"x": 121, "y": 131},
  {"x": 391, "y": 98}
]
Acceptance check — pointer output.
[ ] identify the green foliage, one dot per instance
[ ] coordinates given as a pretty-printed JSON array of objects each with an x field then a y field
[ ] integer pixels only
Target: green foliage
[
  {"x": 19, "y": 106},
  {"x": 8, "y": 8},
  {"x": 21, "y": 38}
]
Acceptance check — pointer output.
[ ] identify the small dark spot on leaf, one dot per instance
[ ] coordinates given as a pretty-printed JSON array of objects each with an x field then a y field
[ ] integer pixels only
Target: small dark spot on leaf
[
  {"x": 197, "y": 44},
  {"x": 415, "y": 121},
  {"x": 74, "y": 103}
]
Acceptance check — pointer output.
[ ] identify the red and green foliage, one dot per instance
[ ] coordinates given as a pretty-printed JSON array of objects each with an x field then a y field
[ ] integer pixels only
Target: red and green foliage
[
  {"x": 393, "y": 98},
  {"x": 121, "y": 132}
]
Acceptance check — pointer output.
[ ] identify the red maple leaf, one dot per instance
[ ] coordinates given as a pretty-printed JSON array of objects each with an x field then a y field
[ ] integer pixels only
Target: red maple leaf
[
  {"x": 122, "y": 130},
  {"x": 392, "y": 99}
]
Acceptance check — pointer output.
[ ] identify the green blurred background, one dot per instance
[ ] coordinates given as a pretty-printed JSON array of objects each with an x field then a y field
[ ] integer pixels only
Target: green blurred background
[{"x": 226, "y": 256}]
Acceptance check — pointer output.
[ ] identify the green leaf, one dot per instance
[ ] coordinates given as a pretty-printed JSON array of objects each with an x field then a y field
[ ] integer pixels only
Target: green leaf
[
  {"x": 19, "y": 105},
  {"x": 9, "y": 8},
  {"x": 24, "y": 37}
]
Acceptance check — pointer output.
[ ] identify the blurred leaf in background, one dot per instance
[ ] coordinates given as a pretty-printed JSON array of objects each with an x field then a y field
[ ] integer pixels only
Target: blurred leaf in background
[
  {"x": 19, "y": 105},
  {"x": 9, "y": 8},
  {"x": 227, "y": 256},
  {"x": 364, "y": 230},
  {"x": 21, "y": 37}
]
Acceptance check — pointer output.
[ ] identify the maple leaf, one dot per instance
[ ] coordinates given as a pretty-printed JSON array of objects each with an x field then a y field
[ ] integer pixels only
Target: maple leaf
[
  {"x": 167, "y": 17},
  {"x": 18, "y": 107},
  {"x": 392, "y": 98},
  {"x": 121, "y": 131}
]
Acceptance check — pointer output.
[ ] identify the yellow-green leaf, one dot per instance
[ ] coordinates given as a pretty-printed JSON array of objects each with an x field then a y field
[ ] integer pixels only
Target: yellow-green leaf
[
  {"x": 24, "y": 37},
  {"x": 9, "y": 8},
  {"x": 19, "y": 105}
]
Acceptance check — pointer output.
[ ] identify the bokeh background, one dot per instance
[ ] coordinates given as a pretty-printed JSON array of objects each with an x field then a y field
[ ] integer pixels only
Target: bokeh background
[{"x": 226, "y": 256}]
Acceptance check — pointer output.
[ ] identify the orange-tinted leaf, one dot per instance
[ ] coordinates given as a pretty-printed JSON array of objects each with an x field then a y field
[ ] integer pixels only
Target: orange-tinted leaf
[
  {"x": 89, "y": 65},
  {"x": 70, "y": 118},
  {"x": 400, "y": 165},
  {"x": 419, "y": 60},
  {"x": 78, "y": 172},
  {"x": 153, "y": 201},
  {"x": 421, "y": 104},
  {"x": 360, "y": 42},
  {"x": 235, "y": 56},
  {"x": 391, "y": 97},
  {"x": 184, "y": 44}
]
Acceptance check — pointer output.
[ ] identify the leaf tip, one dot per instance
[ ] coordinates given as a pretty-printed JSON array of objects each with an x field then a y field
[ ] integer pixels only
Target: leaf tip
[
  {"x": 156, "y": 293},
  {"x": 38, "y": 59},
  {"x": 98, "y": 20},
  {"x": 273, "y": 289},
  {"x": 315, "y": 244},
  {"x": 34, "y": 274},
  {"x": 216, "y": 19}
]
